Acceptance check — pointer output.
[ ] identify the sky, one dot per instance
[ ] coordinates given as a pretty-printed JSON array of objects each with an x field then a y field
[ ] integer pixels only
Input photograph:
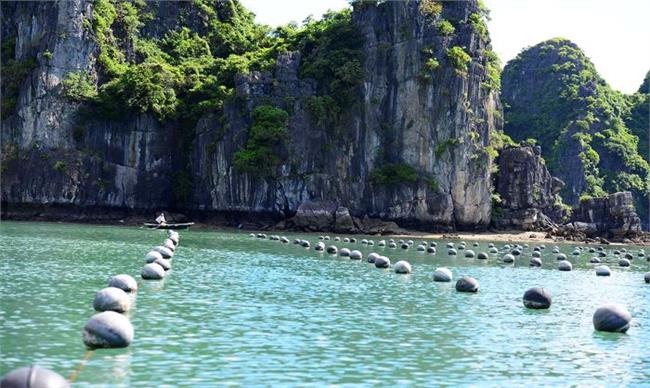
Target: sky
[{"x": 614, "y": 34}]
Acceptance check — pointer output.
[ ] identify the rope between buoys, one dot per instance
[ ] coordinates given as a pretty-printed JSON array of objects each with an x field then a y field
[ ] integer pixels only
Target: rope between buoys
[{"x": 73, "y": 377}]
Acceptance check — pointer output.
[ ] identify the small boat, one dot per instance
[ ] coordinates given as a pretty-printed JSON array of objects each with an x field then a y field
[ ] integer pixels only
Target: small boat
[{"x": 183, "y": 225}]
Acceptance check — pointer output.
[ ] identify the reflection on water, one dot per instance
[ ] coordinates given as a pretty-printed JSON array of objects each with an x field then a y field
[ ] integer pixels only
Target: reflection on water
[{"x": 242, "y": 310}]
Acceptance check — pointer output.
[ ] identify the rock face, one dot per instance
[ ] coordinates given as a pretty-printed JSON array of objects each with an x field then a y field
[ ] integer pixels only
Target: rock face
[
  {"x": 527, "y": 190},
  {"x": 437, "y": 120},
  {"x": 613, "y": 215}
]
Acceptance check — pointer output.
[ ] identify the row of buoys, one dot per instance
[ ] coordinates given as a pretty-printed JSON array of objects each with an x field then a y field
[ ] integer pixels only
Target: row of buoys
[
  {"x": 109, "y": 327},
  {"x": 609, "y": 317}
]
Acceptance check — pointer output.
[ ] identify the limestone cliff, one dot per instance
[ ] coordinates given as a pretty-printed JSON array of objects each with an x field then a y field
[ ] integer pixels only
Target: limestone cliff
[{"x": 422, "y": 109}]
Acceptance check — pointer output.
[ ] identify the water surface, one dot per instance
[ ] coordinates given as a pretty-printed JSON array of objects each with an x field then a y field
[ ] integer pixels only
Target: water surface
[{"x": 242, "y": 311}]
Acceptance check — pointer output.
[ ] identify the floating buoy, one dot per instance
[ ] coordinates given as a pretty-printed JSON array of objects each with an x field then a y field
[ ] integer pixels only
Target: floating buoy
[
  {"x": 624, "y": 263},
  {"x": 284, "y": 240},
  {"x": 469, "y": 253},
  {"x": 356, "y": 255},
  {"x": 537, "y": 298},
  {"x": 442, "y": 274},
  {"x": 431, "y": 250},
  {"x": 152, "y": 256},
  {"x": 332, "y": 249},
  {"x": 344, "y": 252},
  {"x": 405, "y": 246},
  {"x": 319, "y": 246},
  {"x": 646, "y": 277},
  {"x": 594, "y": 260},
  {"x": 482, "y": 256},
  {"x": 124, "y": 282},
  {"x": 537, "y": 254},
  {"x": 410, "y": 242},
  {"x": 561, "y": 256},
  {"x": 452, "y": 252},
  {"x": 422, "y": 248},
  {"x": 165, "y": 263},
  {"x": 494, "y": 250},
  {"x": 402, "y": 267},
  {"x": 612, "y": 317},
  {"x": 169, "y": 244},
  {"x": 353, "y": 240},
  {"x": 515, "y": 252},
  {"x": 467, "y": 284},
  {"x": 305, "y": 244},
  {"x": 152, "y": 271},
  {"x": 174, "y": 238},
  {"x": 108, "y": 330},
  {"x": 261, "y": 235},
  {"x": 535, "y": 262},
  {"x": 433, "y": 244},
  {"x": 564, "y": 265},
  {"x": 371, "y": 243},
  {"x": 603, "y": 270},
  {"x": 164, "y": 251},
  {"x": 33, "y": 377},
  {"x": 475, "y": 244},
  {"x": 364, "y": 241},
  {"x": 346, "y": 240},
  {"x": 508, "y": 258},
  {"x": 382, "y": 262},
  {"x": 392, "y": 244},
  {"x": 372, "y": 257},
  {"x": 450, "y": 245},
  {"x": 251, "y": 235},
  {"x": 112, "y": 299},
  {"x": 382, "y": 243},
  {"x": 327, "y": 238},
  {"x": 337, "y": 238}
]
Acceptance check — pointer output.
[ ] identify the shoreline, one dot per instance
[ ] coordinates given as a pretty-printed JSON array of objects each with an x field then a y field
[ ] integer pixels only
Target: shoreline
[{"x": 509, "y": 236}]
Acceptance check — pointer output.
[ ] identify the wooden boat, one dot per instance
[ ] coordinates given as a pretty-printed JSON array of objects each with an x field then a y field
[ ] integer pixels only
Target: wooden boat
[{"x": 183, "y": 225}]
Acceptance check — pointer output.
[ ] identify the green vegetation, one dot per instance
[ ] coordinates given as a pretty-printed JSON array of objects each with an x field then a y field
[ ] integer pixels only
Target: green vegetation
[
  {"x": 266, "y": 138},
  {"x": 60, "y": 166},
  {"x": 12, "y": 75},
  {"x": 432, "y": 64},
  {"x": 79, "y": 86},
  {"x": 430, "y": 8},
  {"x": 572, "y": 112},
  {"x": 477, "y": 22},
  {"x": 394, "y": 174},
  {"x": 493, "y": 66},
  {"x": 445, "y": 27},
  {"x": 459, "y": 59}
]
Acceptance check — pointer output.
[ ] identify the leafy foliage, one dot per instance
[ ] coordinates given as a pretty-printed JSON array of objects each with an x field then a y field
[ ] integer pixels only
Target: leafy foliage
[
  {"x": 79, "y": 86},
  {"x": 12, "y": 75},
  {"x": 394, "y": 174},
  {"x": 445, "y": 27},
  {"x": 459, "y": 59},
  {"x": 266, "y": 137}
]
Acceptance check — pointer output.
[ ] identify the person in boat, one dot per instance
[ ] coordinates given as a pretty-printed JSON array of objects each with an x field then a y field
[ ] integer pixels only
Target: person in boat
[{"x": 161, "y": 219}]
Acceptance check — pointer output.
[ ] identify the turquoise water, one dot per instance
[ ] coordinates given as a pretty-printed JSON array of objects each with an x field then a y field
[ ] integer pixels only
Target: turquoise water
[{"x": 242, "y": 311}]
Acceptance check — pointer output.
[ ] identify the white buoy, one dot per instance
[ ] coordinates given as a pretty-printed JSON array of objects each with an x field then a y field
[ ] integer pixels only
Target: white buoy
[
  {"x": 174, "y": 238},
  {"x": 382, "y": 262},
  {"x": 594, "y": 260},
  {"x": 332, "y": 249},
  {"x": 603, "y": 270},
  {"x": 152, "y": 271},
  {"x": 624, "y": 263},
  {"x": 165, "y": 263},
  {"x": 469, "y": 253},
  {"x": 108, "y": 330},
  {"x": 372, "y": 257},
  {"x": 402, "y": 267},
  {"x": 124, "y": 282},
  {"x": 482, "y": 256},
  {"x": 152, "y": 256},
  {"x": 382, "y": 243},
  {"x": 421, "y": 248},
  {"x": 346, "y": 240},
  {"x": 305, "y": 244},
  {"x": 169, "y": 244},
  {"x": 535, "y": 262},
  {"x": 112, "y": 299},
  {"x": 344, "y": 252},
  {"x": 561, "y": 256},
  {"x": 452, "y": 252},
  {"x": 467, "y": 284},
  {"x": 319, "y": 246},
  {"x": 612, "y": 317},
  {"x": 442, "y": 274},
  {"x": 564, "y": 265},
  {"x": 356, "y": 255},
  {"x": 164, "y": 251},
  {"x": 284, "y": 240},
  {"x": 33, "y": 376},
  {"x": 646, "y": 277},
  {"x": 508, "y": 258},
  {"x": 537, "y": 298},
  {"x": 392, "y": 244}
]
